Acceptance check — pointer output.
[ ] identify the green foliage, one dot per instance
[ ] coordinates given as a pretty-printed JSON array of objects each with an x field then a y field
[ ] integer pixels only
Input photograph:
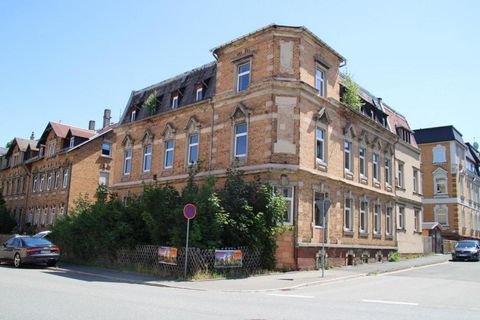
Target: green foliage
[
  {"x": 9, "y": 143},
  {"x": 151, "y": 103},
  {"x": 7, "y": 222},
  {"x": 351, "y": 96},
  {"x": 239, "y": 214},
  {"x": 394, "y": 256}
]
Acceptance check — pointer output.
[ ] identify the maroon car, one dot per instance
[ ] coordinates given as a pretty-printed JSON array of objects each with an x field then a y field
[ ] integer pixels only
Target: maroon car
[{"x": 21, "y": 250}]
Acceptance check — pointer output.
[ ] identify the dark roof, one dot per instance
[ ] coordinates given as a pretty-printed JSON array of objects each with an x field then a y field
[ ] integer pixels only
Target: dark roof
[
  {"x": 183, "y": 84},
  {"x": 438, "y": 134}
]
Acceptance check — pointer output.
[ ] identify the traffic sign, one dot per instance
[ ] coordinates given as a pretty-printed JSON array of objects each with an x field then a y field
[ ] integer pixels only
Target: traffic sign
[{"x": 189, "y": 211}]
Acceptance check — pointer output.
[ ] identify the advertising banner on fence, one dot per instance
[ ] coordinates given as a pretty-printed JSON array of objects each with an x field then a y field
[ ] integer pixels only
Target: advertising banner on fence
[
  {"x": 228, "y": 258},
  {"x": 167, "y": 255}
]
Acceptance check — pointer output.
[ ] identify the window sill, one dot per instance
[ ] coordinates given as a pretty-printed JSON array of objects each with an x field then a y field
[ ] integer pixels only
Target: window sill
[
  {"x": 319, "y": 227},
  {"x": 322, "y": 166},
  {"x": 440, "y": 195},
  {"x": 402, "y": 230},
  {"x": 376, "y": 183},
  {"x": 348, "y": 174},
  {"x": 105, "y": 156},
  {"x": 363, "y": 234},
  {"x": 389, "y": 237},
  {"x": 363, "y": 179},
  {"x": 417, "y": 232},
  {"x": 240, "y": 161},
  {"x": 401, "y": 188},
  {"x": 377, "y": 236},
  {"x": 348, "y": 233},
  {"x": 388, "y": 187}
]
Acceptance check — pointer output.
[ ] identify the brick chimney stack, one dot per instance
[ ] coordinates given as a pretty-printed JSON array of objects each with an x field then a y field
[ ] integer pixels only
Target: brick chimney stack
[{"x": 106, "y": 117}]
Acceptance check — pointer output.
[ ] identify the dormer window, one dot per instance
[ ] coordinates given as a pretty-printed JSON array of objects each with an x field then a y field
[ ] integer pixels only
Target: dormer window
[
  {"x": 199, "y": 94},
  {"x": 51, "y": 148},
  {"x": 404, "y": 134},
  {"x": 72, "y": 142},
  {"x": 243, "y": 76},
  {"x": 174, "y": 103},
  {"x": 133, "y": 115}
]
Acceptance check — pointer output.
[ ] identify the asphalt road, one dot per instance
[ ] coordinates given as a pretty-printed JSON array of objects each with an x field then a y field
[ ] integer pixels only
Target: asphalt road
[{"x": 444, "y": 291}]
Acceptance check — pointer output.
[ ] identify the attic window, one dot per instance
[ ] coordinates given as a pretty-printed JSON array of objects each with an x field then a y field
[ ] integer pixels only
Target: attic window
[
  {"x": 133, "y": 116},
  {"x": 199, "y": 93},
  {"x": 174, "y": 103},
  {"x": 72, "y": 142}
]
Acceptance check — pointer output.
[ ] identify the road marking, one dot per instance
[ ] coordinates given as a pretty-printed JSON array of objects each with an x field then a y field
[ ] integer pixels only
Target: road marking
[
  {"x": 391, "y": 302},
  {"x": 290, "y": 295}
]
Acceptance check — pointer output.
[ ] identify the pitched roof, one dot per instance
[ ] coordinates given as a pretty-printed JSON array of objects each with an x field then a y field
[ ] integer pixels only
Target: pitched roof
[
  {"x": 438, "y": 134},
  {"x": 397, "y": 120},
  {"x": 83, "y": 133}
]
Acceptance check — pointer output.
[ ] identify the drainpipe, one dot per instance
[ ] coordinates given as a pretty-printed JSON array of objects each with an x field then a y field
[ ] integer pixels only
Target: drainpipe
[{"x": 211, "y": 136}]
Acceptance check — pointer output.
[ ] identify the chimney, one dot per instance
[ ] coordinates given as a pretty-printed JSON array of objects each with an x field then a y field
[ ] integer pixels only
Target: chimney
[
  {"x": 106, "y": 117},
  {"x": 91, "y": 125},
  {"x": 32, "y": 136}
]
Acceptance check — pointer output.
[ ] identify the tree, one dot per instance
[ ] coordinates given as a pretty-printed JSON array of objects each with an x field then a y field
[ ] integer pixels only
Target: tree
[
  {"x": 350, "y": 96},
  {"x": 7, "y": 222},
  {"x": 151, "y": 103}
]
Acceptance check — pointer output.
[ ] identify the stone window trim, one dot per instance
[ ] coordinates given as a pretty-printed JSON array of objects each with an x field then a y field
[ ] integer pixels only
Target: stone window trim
[
  {"x": 322, "y": 121},
  {"x": 282, "y": 188},
  {"x": 348, "y": 213},
  {"x": 389, "y": 220},
  {"x": 439, "y": 154},
  {"x": 321, "y": 79},
  {"x": 363, "y": 216},
  {"x": 440, "y": 183},
  {"x": 192, "y": 129},
  {"x": 377, "y": 219},
  {"x": 238, "y": 63},
  {"x": 241, "y": 114}
]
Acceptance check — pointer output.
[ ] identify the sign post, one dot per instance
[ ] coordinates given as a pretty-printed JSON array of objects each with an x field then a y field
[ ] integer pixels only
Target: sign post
[
  {"x": 323, "y": 206},
  {"x": 189, "y": 212}
]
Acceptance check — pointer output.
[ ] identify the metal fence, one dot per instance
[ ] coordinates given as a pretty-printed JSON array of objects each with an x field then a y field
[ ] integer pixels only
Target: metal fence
[{"x": 199, "y": 261}]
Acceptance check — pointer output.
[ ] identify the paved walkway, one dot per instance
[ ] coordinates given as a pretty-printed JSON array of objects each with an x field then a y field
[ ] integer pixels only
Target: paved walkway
[{"x": 270, "y": 282}]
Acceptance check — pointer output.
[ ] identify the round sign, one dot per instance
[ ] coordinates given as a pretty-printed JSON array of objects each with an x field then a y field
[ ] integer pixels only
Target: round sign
[{"x": 189, "y": 211}]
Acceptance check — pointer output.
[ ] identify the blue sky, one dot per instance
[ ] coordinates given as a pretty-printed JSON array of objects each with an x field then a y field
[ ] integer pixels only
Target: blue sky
[{"x": 68, "y": 60}]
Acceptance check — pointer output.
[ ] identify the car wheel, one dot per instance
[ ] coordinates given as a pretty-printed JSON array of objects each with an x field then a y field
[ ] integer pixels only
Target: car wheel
[{"x": 17, "y": 261}]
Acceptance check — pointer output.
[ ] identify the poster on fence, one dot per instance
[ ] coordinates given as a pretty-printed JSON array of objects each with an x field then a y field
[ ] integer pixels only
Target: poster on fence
[
  {"x": 167, "y": 255},
  {"x": 228, "y": 258}
]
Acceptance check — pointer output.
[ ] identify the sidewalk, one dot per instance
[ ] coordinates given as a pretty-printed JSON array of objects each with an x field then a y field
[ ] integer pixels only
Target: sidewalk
[{"x": 270, "y": 282}]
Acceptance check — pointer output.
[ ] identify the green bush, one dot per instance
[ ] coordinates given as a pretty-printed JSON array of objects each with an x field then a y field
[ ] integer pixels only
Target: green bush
[
  {"x": 394, "y": 256},
  {"x": 7, "y": 222}
]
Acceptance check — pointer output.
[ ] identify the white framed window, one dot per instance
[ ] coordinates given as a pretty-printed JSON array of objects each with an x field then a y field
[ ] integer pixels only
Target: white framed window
[
  {"x": 57, "y": 177},
  {"x": 174, "y": 103},
  {"x": 320, "y": 81},
  {"x": 363, "y": 217},
  {"x": 127, "y": 162},
  {"x": 106, "y": 149},
  {"x": 103, "y": 179},
  {"x": 362, "y": 153},
  {"x": 440, "y": 184},
  {"x": 42, "y": 182},
  {"x": 320, "y": 144},
  {"x": 192, "y": 149},
  {"x": 320, "y": 213},
  {"x": 348, "y": 213},
  {"x": 34, "y": 185},
  {"x": 66, "y": 173},
  {"x": 400, "y": 175},
  {"x": 169, "y": 153},
  {"x": 376, "y": 161},
  {"x": 415, "y": 181},
  {"x": 147, "y": 158},
  {"x": 49, "y": 181},
  {"x": 72, "y": 142},
  {"x": 52, "y": 215},
  {"x": 133, "y": 115},
  {"x": 51, "y": 148},
  {"x": 199, "y": 94},
  {"x": 241, "y": 140},
  {"x": 287, "y": 193},
  {"x": 417, "y": 223},
  {"x": 388, "y": 176},
  {"x": 401, "y": 218},
  {"x": 439, "y": 154},
  {"x": 441, "y": 214},
  {"x": 347, "y": 154},
  {"x": 377, "y": 209},
  {"x": 389, "y": 221},
  {"x": 243, "y": 76}
]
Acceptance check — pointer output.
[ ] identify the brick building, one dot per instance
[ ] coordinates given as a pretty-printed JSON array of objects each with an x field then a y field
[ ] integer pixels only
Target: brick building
[
  {"x": 272, "y": 103},
  {"x": 43, "y": 178},
  {"x": 451, "y": 182}
]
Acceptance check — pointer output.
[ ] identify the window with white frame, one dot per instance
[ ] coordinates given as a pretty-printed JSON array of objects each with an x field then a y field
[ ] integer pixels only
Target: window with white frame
[
  {"x": 57, "y": 177},
  {"x": 440, "y": 184},
  {"x": 66, "y": 173},
  {"x": 439, "y": 154},
  {"x": 51, "y": 148},
  {"x": 169, "y": 152},
  {"x": 106, "y": 149},
  {"x": 243, "y": 76},
  {"x": 127, "y": 162},
  {"x": 42, "y": 182},
  {"x": 376, "y": 169},
  {"x": 363, "y": 223},
  {"x": 320, "y": 81},
  {"x": 72, "y": 142},
  {"x": 174, "y": 102},
  {"x": 389, "y": 221},
  {"x": 347, "y": 154},
  {"x": 199, "y": 94},
  {"x": 192, "y": 149},
  {"x": 441, "y": 214},
  {"x": 320, "y": 213},
  {"x": 362, "y": 153},
  {"x": 133, "y": 115},
  {"x": 287, "y": 194},
  {"x": 417, "y": 220},
  {"x": 401, "y": 218},
  {"x": 34, "y": 186},
  {"x": 387, "y": 171},
  {"x": 147, "y": 158},
  {"x": 241, "y": 140},
  {"x": 348, "y": 213},
  {"x": 49, "y": 181},
  {"x": 400, "y": 175},
  {"x": 416, "y": 188},
  {"x": 376, "y": 218},
  {"x": 320, "y": 144}
]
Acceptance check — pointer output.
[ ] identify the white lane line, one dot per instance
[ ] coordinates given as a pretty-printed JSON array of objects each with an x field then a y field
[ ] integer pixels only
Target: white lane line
[
  {"x": 391, "y": 302},
  {"x": 290, "y": 295}
]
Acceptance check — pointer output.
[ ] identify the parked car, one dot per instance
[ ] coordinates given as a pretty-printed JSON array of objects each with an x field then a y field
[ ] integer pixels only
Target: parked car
[
  {"x": 21, "y": 250},
  {"x": 467, "y": 250}
]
